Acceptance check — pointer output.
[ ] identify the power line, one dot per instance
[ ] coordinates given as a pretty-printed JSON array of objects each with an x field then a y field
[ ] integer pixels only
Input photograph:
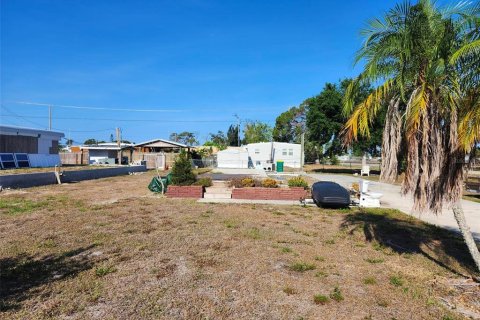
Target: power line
[
  {"x": 95, "y": 108},
  {"x": 41, "y": 104},
  {"x": 15, "y": 115},
  {"x": 134, "y": 120}
]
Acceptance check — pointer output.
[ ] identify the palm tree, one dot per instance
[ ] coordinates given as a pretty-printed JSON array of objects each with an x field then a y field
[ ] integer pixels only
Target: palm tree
[
  {"x": 467, "y": 60},
  {"x": 422, "y": 56}
]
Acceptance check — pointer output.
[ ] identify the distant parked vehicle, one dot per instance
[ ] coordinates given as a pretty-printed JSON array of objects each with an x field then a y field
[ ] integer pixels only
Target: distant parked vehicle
[{"x": 327, "y": 194}]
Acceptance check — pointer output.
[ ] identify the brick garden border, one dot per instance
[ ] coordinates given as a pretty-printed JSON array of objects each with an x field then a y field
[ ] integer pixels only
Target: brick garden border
[
  {"x": 185, "y": 192},
  {"x": 256, "y": 193}
]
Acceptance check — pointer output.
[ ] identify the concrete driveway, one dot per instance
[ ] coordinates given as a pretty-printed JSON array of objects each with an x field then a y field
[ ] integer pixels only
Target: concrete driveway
[
  {"x": 230, "y": 173},
  {"x": 392, "y": 198}
]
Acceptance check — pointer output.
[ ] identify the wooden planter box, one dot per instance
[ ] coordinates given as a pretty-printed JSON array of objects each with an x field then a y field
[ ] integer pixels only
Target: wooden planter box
[
  {"x": 296, "y": 193},
  {"x": 185, "y": 192}
]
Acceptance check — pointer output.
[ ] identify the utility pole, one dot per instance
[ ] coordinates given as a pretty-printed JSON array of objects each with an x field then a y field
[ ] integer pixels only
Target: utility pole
[
  {"x": 50, "y": 118},
  {"x": 119, "y": 139},
  {"x": 302, "y": 150},
  {"x": 238, "y": 129}
]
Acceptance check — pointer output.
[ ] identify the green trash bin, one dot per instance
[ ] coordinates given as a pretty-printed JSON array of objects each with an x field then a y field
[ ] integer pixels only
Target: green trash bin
[{"x": 279, "y": 166}]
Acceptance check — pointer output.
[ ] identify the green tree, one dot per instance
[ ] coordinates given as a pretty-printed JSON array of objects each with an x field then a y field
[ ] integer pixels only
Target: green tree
[
  {"x": 185, "y": 137},
  {"x": 412, "y": 52},
  {"x": 90, "y": 141},
  {"x": 218, "y": 140},
  {"x": 232, "y": 136},
  {"x": 325, "y": 120},
  {"x": 182, "y": 174},
  {"x": 257, "y": 131},
  {"x": 289, "y": 125}
]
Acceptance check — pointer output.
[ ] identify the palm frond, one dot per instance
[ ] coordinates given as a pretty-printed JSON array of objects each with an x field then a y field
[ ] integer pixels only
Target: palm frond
[
  {"x": 416, "y": 109},
  {"x": 469, "y": 127},
  {"x": 472, "y": 48},
  {"x": 363, "y": 114}
]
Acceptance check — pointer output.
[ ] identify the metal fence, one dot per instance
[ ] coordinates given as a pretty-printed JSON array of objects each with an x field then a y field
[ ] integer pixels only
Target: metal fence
[{"x": 209, "y": 162}]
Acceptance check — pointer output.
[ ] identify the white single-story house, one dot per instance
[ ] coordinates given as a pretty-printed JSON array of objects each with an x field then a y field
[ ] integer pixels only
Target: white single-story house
[
  {"x": 28, "y": 147},
  {"x": 233, "y": 158},
  {"x": 108, "y": 152},
  {"x": 262, "y": 155}
]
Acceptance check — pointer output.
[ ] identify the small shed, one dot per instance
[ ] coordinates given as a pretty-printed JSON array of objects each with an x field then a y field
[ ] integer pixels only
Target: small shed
[{"x": 233, "y": 158}]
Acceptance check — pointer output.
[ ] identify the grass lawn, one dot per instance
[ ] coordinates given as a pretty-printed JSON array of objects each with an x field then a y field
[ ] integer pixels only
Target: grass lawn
[{"x": 109, "y": 249}]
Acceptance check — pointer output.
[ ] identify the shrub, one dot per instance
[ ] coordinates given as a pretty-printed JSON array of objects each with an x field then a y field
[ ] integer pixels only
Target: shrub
[
  {"x": 269, "y": 183},
  {"x": 302, "y": 266},
  {"x": 336, "y": 294},
  {"x": 236, "y": 182},
  {"x": 298, "y": 182},
  {"x": 182, "y": 174},
  {"x": 104, "y": 270},
  {"x": 204, "y": 182},
  {"x": 253, "y": 233},
  {"x": 369, "y": 280},
  {"x": 397, "y": 281},
  {"x": 248, "y": 182},
  {"x": 334, "y": 160},
  {"x": 320, "y": 299}
]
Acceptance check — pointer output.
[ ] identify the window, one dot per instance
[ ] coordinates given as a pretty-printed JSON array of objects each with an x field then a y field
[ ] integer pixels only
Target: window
[
  {"x": 257, "y": 151},
  {"x": 284, "y": 152},
  {"x": 290, "y": 152}
]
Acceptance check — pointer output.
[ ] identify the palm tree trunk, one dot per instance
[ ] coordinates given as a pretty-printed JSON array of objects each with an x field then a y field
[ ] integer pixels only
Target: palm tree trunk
[
  {"x": 467, "y": 235},
  {"x": 391, "y": 140}
]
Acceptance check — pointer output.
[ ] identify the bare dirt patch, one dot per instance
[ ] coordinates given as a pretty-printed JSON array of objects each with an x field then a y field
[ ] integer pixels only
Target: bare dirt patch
[{"x": 110, "y": 249}]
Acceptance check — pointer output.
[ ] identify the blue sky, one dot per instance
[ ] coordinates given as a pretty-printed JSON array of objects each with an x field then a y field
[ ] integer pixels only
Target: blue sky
[{"x": 202, "y": 61}]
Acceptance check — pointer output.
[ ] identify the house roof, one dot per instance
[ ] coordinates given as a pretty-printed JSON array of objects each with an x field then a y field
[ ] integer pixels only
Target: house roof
[
  {"x": 107, "y": 146},
  {"x": 24, "y": 131},
  {"x": 160, "y": 143}
]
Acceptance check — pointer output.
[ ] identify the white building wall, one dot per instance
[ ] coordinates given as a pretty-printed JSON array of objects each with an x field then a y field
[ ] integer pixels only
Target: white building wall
[
  {"x": 232, "y": 158},
  {"x": 44, "y": 145},
  {"x": 261, "y": 153},
  {"x": 289, "y": 153}
]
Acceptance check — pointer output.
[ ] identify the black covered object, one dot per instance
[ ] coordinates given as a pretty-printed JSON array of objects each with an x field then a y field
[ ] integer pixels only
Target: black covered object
[{"x": 330, "y": 194}]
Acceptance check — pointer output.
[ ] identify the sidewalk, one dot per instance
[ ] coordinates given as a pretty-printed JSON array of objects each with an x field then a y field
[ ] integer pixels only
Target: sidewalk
[{"x": 392, "y": 198}]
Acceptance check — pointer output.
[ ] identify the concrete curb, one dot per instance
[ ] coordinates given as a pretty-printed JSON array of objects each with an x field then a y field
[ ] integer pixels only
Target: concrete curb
[{"x": 28, "y": 180}]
